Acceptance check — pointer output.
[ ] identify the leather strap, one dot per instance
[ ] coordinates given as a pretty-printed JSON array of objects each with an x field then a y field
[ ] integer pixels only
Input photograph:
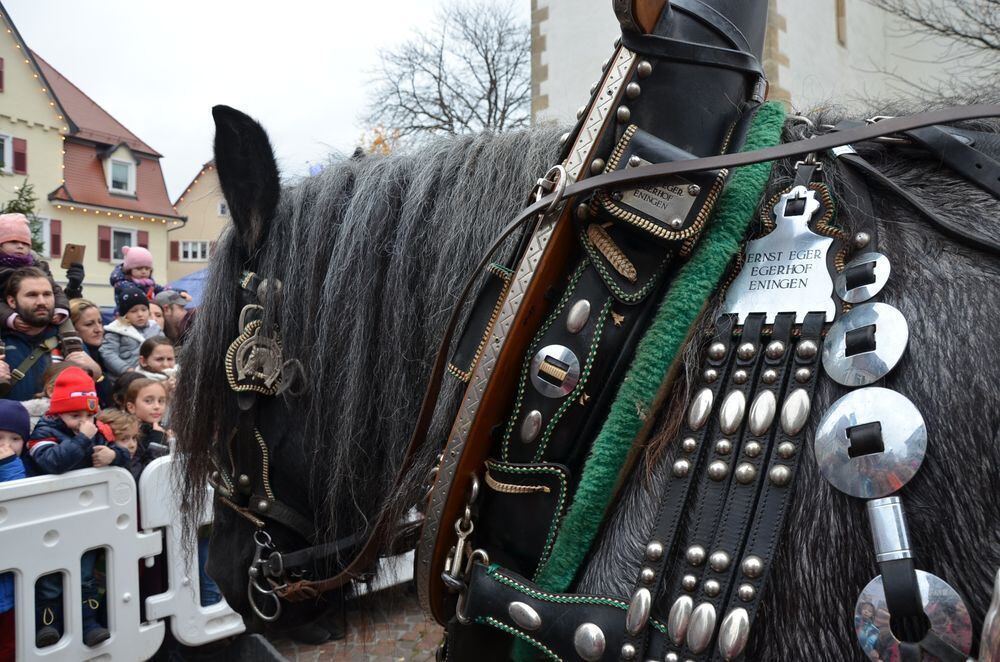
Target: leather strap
[
  {"x": 18, "y": 373},
  {"x": 711, "y": 17},
  {"x": 963, "y": 158},
  {"x": 678, "y": 50}
]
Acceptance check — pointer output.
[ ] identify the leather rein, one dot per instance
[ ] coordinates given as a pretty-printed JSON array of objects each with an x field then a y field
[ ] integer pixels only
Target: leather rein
[{"x": 276, "y": 575}]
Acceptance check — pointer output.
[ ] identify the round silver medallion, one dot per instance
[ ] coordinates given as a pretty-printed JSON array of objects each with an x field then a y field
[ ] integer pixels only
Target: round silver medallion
[
  {"x": 865, "y": 367},
  {"x": 555, "y": 371},
  {"x": 878, "y": 468},
  {"x": 861, "y": 293},
  {"x": 947, "y": 613}
]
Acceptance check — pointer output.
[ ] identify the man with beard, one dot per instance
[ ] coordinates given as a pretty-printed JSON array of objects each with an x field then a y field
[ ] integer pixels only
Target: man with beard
[
  {"x": 29, "y": 292},
  {"x": 177, "y": 318}
]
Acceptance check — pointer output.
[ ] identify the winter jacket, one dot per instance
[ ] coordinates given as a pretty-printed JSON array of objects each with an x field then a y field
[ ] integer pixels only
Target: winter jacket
[
  {"x": 18, "y": 347},
  {"x": 54, "y": 449},
  {"x": 37, "y": 407},
  {"x": 11, "y": 468},
  {"x": 152, "y": 444},
  {"x": 120, "y": 281},
  {"x": 6, "y": 312},
  {"x": 120, "y": 348}
]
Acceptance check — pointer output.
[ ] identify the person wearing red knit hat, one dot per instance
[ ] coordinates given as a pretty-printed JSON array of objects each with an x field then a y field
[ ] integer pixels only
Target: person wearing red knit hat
[{"x": 67, "y": 438}]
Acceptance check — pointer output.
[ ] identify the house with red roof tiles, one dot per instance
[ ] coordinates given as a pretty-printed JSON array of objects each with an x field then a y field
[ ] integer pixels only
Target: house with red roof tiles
[
  {"x": 98, "y": 184},
  {"x": 207, "y": 214}
]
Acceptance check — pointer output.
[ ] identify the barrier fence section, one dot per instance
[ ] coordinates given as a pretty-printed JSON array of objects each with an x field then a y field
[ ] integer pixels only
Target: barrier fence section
[{"x": 47, "y": 523}]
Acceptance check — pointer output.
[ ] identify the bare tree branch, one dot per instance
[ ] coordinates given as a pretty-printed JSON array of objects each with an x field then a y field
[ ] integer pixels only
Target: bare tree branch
[{"x": 471, "y": 72}]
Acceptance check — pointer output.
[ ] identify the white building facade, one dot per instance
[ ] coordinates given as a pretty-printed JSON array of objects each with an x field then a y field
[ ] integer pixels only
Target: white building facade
[{"x": 816, "y": 53}]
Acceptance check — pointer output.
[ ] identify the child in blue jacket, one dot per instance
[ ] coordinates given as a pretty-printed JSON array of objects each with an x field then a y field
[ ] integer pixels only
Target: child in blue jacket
[
  {"x": 67, "y": 438},
  {"x": 14, "y": 427}
]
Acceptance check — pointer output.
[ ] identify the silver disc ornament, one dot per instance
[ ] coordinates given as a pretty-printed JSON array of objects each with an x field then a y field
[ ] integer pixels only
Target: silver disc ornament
[
  {"x": 866, "y": 471},
  {"x": 947, "y": 613},
  {"x": 863, "y": 292},
  {"x": 868, "y": 363}
]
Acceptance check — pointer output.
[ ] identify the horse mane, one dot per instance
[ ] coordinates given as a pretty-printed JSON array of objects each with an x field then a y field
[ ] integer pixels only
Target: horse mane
[{"x": 372, "y": 254}]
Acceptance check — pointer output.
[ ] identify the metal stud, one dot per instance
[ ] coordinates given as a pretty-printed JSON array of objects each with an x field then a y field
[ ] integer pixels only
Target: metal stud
[
  {"x": 701, "y": 628},
  {"x": 717, "y": 351},
  {"x": 712, "y": 588},
  {"x": 623, "y": 114},
  {"x": 681, "y": 468},
  {"x": 718, "y": 470},
  {"x": 795, "y": 412},
  {"x": 740, "y": 376},
  {"x": 531, "y": 426},
  {"x": 632, "y": 90},
  {"x": 689, "y": 582},
  {"x": 786, "y": 450},
  {"x": 578, "y": 316},
  {"x": 634, "y": 161},
  {"x": 672, "y": 657},
  {"x": 628, "y": 652},
  {"x": 734, "y": 633},
  {"x": 605, "y": 64},
  {"x": 654, "y": 551},
  {"x": 583, "y": 211},
  {"x": 525, "y": 616},
  {"x": 679, "y": 618},
  {"x": 861, "y": 239},
  {"x": 694, "y": 190},
  {"x": 647, "y": 575},
  {"x": 676, "y": 223},
  {"x": 644, "y": 68},
  {"x": 752, "y": 449},
  {"x": 731, "y": 412},
  {"x": 780, "y": 475},
  {"x": 769, "y": 376},
  {"x": 746, "y": 592},
  {"x": 690, "y": 445},
  {"x": 244, "y": 480},
  {"x": 723, "y": 447},
  {"x": 638, "y": 611},
  {"x": 762, "y": 412},
  {"x": 695, "y": 555},
  {"x": 710, "y": 375},
  {"x": 802, "y": 375},
  {"x": 745, "y": 473},
  {"x": 593, "y": 88},
  {"x": 775, "y": 349},
  {"x": 263, "y": 505},
  {"x": 752, "y": 567},
  {"x": 746, "y": 351},
  {"x": 806, "y": 349},
  {"x": 701, "y": 407},
  {"x": 597, "y": 166},
  {"x": 588, "y": 640},
  {"x": 580, "y": 111},
  {"x": 563, "y": 138},
  {"x": 718, "y": 561}
]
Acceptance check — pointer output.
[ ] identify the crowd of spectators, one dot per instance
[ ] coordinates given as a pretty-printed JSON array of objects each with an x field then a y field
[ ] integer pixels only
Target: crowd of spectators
[{"x": 79, "y": 392}]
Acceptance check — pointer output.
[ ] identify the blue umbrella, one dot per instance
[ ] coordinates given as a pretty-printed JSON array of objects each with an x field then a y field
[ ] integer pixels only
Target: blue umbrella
[{"x": 193, "y": 284}]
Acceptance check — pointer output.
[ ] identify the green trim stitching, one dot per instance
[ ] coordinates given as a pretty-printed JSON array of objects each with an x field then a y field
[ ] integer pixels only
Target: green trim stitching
[
  {"x": 602, "y": 319},
  {"x": 520, "y": 469},
  {"x": 494, "y": 573},
  {"x": 522, "y": 384},
  {"x": 489, "y": 620},
  {"x": 609, "y": 280}
]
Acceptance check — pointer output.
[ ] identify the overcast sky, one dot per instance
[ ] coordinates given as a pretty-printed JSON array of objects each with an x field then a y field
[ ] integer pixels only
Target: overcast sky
[{"x": 158, "y": 67}]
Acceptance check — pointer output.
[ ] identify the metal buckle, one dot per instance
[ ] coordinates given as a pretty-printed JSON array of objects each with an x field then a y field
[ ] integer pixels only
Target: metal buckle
[
  {"x": 257, "y": 566},
  {"x": 556, "y": 178}
]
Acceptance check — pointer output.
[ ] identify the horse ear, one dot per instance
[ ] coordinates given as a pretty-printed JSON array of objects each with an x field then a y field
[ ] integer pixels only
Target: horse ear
[{"x": 247, "y": 172}]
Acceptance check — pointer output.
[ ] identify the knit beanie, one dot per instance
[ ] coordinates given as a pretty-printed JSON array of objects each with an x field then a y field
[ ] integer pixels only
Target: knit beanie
[
  {"x": 14, "y": 418},
  {"x": 14, "y": 227},
  {"x": 136, "y": 256},
  {"x": 74, "y": 390},
  {"x": 130, "y": 297}
]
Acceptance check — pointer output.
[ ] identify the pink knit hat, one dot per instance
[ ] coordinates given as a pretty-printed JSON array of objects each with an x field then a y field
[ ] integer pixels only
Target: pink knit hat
[
  {"x": 136, "y": 256},
  {"x": 14, "y": 227}
]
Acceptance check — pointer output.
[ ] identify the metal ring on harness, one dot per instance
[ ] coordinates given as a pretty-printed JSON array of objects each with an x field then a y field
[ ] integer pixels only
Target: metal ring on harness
[{"x": 546, "y": 185}]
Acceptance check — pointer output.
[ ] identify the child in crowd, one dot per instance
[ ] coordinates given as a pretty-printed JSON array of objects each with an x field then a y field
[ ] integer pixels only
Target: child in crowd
[
  {"x": 14, "y": 429},
  {"x": 123, "y": 429},
  {"x": 123, "y": 337},
  {"x": 157, "y": 360},
  {"x": 147, "y": 401},
  {"x": 15, "y": 252},
  {"x": 40, "y": 403},
  {"x": 136, "y": 270},
  {"x": 66, "y": 439}
]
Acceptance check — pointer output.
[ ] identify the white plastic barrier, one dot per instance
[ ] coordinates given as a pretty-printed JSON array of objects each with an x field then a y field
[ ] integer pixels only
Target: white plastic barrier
[
  {"x": 46, "y": 524},
  {"x": 190, "y": 623}
]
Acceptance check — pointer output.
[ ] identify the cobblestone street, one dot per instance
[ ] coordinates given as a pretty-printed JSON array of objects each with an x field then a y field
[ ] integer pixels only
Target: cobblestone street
[{"x": 390, "y": 628}]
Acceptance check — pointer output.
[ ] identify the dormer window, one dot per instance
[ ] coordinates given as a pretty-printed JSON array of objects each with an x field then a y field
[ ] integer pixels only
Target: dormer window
[{"x": 122, "y": 177}]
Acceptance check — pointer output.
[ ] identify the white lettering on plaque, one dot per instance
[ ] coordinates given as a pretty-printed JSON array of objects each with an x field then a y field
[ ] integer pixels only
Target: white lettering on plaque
[{"x": 785, "y": 271}]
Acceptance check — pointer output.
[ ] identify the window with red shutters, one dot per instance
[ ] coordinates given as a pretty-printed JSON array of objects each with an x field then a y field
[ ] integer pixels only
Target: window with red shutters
[
  {"x": 55, "y": 238},
  {"x": 142, "y": 238},
  {"x": 1, "y": 74},
  {"x": 20, "y": 156},
  {"x": 175, "y": 251},
  {"x": 104, "y": 243}
]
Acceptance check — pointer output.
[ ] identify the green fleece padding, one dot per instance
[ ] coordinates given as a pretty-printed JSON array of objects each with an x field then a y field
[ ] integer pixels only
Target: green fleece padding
[{"x": 696, "y": 282}]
